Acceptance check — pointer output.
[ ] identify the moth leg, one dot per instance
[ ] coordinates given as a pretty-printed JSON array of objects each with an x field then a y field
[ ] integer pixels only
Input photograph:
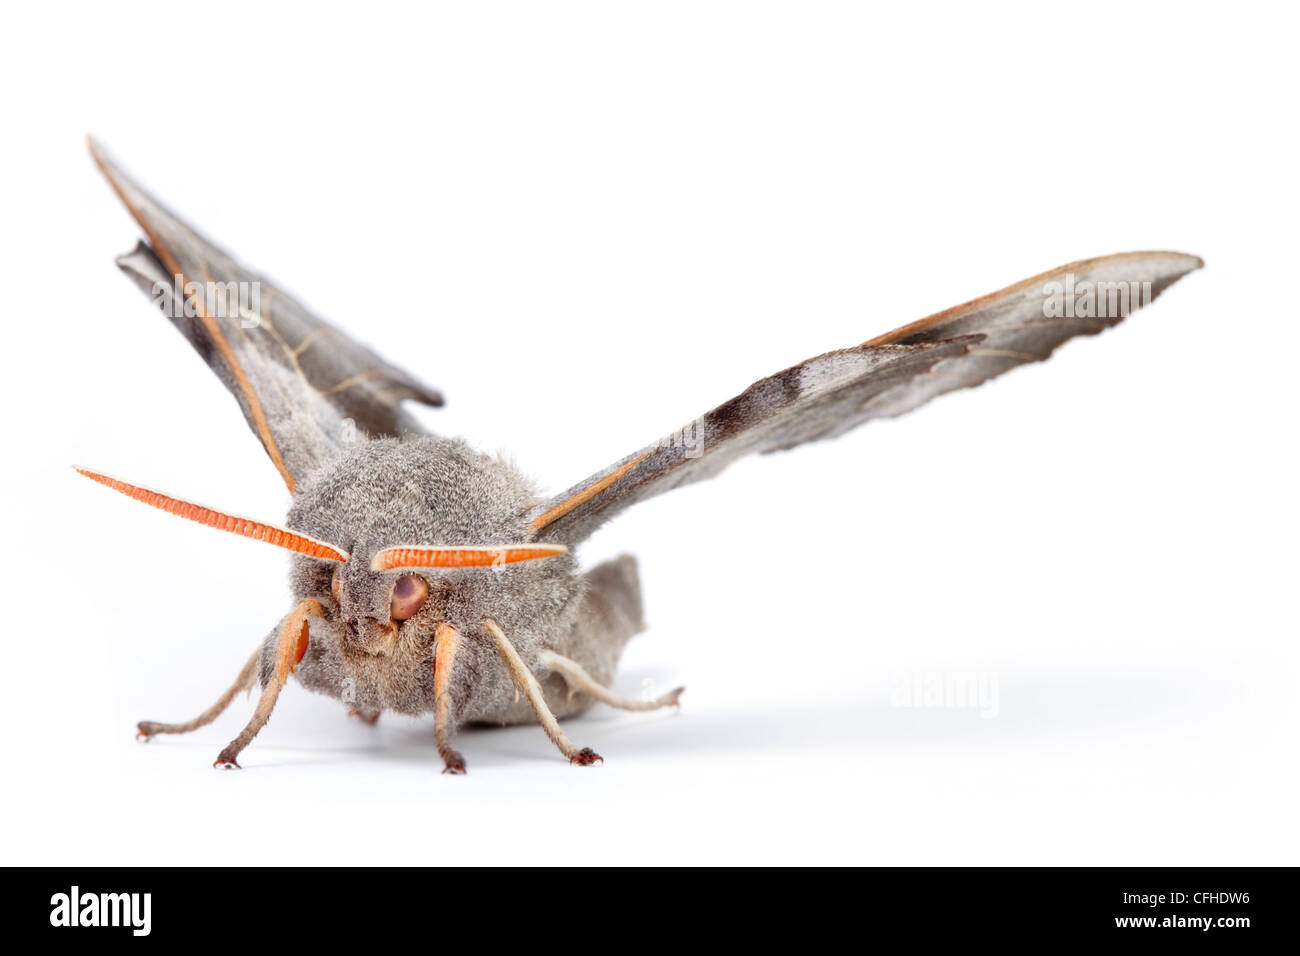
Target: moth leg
[
  {"x": 370, "y": 717},
  {"x": 290, "y": 646},
  {"x": 527, "y": 684},
  {"x": 579, "y": 680},
  {"x": 146, "y": 729},
  {"x": 446, "y": 642}
]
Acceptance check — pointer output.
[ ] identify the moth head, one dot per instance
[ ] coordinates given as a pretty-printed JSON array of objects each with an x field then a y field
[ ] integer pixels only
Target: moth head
[
  {"x": 408, "y": 590},
  {"x": 435, "y": 511}
]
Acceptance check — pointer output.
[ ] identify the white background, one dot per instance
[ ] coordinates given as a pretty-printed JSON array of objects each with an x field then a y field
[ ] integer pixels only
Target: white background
[{"x": 589, "y": 223}]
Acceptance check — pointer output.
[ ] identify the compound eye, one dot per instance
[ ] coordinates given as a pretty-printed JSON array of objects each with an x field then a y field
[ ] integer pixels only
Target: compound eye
[
  {"x": 336, "y": 587},
  {"x": 409, "y": 594}
]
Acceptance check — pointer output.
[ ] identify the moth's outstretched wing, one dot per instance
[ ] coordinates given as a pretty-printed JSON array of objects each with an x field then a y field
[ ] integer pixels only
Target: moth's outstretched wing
[
  {"x": 894, "y": 373},
  {"x": 298, "y": 379}
]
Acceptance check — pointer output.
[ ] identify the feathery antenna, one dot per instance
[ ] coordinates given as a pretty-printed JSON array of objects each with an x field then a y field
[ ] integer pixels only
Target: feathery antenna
[
  {"x": 281, "y": 538},
  {"x": 462, "y": 556}
]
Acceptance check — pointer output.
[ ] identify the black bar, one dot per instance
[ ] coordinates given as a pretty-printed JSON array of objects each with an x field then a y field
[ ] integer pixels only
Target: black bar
[{"x": 1231, "y": 907}]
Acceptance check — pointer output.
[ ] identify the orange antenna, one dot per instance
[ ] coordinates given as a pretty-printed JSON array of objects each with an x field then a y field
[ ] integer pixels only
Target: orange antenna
[
  {"x": 290, "y": 540},
  {"x": 462, "y": 555}
]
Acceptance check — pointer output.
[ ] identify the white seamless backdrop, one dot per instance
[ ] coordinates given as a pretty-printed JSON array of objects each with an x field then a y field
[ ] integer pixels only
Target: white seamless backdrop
[{"x": 588, "y": 223}]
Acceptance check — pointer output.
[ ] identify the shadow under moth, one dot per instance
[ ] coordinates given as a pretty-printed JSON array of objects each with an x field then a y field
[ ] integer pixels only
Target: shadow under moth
[{"x": 428, "y": 577}]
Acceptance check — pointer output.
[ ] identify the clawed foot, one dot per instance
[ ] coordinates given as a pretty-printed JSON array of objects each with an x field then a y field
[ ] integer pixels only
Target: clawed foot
[
  {"x": 226, "y": 762},
  {"x": 455, "y": 763},
  {"x": 145, "y": 730},
  {"x": 369, "y": 716},
  {"x": 586, "y": 757}
]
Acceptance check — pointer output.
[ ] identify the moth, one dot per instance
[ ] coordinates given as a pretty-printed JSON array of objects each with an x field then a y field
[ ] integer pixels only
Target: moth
[{"x": 431, "y": 578}]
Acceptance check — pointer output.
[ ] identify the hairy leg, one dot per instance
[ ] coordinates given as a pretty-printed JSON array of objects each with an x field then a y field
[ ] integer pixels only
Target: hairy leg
[
  {"x": 446, "y": 641},
  {"x": 527, "y": 684},
  {"x": 146, "y": 729},
  {"x": 290, "y": 646},
  {"x": 579, "y": 680}
]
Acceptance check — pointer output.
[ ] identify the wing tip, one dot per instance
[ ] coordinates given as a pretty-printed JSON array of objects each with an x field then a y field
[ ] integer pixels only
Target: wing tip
[
  {"x": 1187, "y": 262},
  {"x": 427, "y": 395},
  {"x": 1179, "y": 265},
  {"x": 104, "y": 162},
  {"x": 144, "y": 209}
]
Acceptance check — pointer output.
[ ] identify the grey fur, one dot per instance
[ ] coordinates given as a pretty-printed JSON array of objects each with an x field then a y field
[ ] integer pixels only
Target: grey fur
[{"x": 387, "y": 492}]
